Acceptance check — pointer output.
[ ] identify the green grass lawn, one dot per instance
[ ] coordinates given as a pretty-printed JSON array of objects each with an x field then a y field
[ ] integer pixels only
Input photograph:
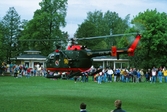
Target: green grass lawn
[{"x": 38, "y": 94}]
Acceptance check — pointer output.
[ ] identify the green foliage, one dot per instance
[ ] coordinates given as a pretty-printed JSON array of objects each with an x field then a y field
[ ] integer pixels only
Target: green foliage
[
  {"x": 99, "y": 24},
  {"x": 87, "y": 29},
  {"x": 2, "y": 54},
  {"x": 10, "y": 33},
  {"x": 46, "y": 24},
  {"x": 39, "y": 93},
  {"x": 152, "y": 49},
  {"x": 97, "y": 44}
]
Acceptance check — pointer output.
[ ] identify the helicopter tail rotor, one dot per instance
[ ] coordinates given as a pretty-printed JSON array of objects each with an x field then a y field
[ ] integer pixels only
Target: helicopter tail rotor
[
  {"x": 130, "y": 50},
  {"x": 133, "y": 46}
]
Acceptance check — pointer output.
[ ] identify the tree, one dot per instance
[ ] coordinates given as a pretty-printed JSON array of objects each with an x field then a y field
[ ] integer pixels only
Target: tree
[
  {"x": 88, "y": 29},
  {"x": 99, "y": 24},
  {"x": 2, "y": 54},
  {"x": 115, "y": 25},
  {"x": 46, "y": 24},
  {"x": 12, "y": 27},
  {"x": 154, "y": 38}
]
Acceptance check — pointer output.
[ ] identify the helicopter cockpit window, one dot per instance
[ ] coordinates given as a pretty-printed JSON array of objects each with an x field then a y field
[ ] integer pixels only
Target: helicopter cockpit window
[
  {"x": 57, "y": 55},
  {"x": 51, "y": 56}
]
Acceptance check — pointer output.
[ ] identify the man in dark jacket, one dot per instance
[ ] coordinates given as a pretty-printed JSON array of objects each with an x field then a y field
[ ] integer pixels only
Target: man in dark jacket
[
  {"x": 83, "y": 107},
  {"x": 118, "y": 104},
  {"x": 134, "y": 73}
]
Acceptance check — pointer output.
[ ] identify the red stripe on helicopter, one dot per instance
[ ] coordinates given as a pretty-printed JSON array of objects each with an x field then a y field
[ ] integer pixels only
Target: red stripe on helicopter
[{"x": 69, "y": 69}]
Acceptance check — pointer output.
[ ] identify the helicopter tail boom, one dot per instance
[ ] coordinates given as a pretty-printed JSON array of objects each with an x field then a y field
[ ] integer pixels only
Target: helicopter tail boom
[
  {"x": 130, "y": 50},
  {"x": 115, "y": 52}
]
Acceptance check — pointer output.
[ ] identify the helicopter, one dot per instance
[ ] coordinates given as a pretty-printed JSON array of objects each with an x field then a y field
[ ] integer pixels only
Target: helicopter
[{"x": 77, "y": 59}]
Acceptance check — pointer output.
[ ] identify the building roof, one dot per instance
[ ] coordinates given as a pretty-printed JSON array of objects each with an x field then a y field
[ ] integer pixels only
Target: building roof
[
  {"x": 30, "y": 57},
  {"x": 32, "y": 51}
]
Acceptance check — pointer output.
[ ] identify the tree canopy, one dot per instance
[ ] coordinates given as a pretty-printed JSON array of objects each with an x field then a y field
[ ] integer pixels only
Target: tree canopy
[
  {"x": 46, "y": 24},
  {"x": 152, "y": 49},
  {"x": 99, "y": 24},
  {"x": 11, "y": 27}
]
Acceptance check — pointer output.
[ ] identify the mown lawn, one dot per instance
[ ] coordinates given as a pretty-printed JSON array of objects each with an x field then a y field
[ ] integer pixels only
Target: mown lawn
[{"x": 38, "y": 94}]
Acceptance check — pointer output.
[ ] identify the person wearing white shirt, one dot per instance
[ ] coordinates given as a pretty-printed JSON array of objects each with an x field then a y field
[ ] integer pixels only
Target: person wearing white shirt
[
  {"x": 154, "y": 72},
  {"x": 109, "y": 73}
]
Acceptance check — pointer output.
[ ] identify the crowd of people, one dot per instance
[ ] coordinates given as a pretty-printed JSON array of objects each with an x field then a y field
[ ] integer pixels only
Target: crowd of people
[
  {"x": 108, "y": 74},
  {"x": 23, "y": 70},
  {"x": 134, "y": 75}
]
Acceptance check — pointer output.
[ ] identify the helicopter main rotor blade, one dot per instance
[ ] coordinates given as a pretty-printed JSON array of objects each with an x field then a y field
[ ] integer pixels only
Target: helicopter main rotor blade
[
  {"x": 33, "y": 40},
  {"x": 107, "y": 36}
]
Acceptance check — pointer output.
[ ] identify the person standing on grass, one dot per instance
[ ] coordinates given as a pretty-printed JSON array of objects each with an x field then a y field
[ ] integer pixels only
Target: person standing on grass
[
  {"x": 147, "y": 76},
  {"x": 28, "y": 72},
  {"x": 118, "y": 104},
  {"x": 104, "y": 71},
  {"x": 134, "y": 73},
  {"x": 138, "y": 76},
  {"x": 118, "y": 74},
  {"x": 83, "y": 107},
  {"x": 121, "y": 75},
  {"x": 165, "y": 74},
  {"x": 154, "y": 72},
  {"x": 99, "y": 77},
  {"x": 109, "y": 73},
  {"x": 130, "y": 74},
  {"x": 3, "y": 68},
  {"x": 126, "y": 75},
  {"x": 84, "y": 77},
  {"x": 160, "y": 75},
  {"x": 115, "y": 75},
  {"x": 35, "y": 71},
  {"x": 142, "y": 75}
]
